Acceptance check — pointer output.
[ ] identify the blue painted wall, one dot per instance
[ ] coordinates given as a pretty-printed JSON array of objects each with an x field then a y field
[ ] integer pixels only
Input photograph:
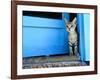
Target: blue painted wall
[
  {"x": 87, "y": 36},
  {"x": 84, "y": 35},
  {"x": 43, "y": 36},
  {"x": 80, "y": 25}
]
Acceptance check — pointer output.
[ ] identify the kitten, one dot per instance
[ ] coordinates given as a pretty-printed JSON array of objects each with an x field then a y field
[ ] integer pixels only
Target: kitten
[{"x": 72, "y": 36}]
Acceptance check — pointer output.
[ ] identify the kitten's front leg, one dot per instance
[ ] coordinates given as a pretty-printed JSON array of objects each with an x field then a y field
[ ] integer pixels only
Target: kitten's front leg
[
  {"x": 75, "y": 50},
  {"x": 70, "y": 48}
]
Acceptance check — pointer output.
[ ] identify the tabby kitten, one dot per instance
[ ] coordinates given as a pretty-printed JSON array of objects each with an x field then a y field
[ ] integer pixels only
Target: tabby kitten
[{"x": 72, "y": 36}]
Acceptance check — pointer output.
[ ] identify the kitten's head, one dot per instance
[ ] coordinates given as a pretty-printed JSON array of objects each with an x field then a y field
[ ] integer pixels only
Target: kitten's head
[{"x": 70, "y": 25}]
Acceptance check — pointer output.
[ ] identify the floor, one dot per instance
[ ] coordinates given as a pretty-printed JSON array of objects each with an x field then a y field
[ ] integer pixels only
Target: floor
[{"x": 50, "y": 62}]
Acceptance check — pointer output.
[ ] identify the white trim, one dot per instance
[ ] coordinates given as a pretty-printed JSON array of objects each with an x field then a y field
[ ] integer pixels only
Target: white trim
[{"x": 21, "y": 71}]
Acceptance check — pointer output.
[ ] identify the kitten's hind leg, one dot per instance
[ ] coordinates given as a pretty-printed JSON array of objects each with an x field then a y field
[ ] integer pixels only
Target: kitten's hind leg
[
  {"x": 76, "y": 52},
  {"x": 76, "y": 49}
]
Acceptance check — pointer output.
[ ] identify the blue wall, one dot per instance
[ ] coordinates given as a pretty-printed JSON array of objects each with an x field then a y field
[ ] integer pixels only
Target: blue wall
[
  {"x": 84, "y": 33},
  {"x": 43, "y": 36},
  {"x": 87, "y": 36},
  {"x": 80, "y": 25}
]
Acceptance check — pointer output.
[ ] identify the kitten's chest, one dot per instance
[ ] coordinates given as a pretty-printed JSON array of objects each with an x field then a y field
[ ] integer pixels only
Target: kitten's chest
[{"x": 73, "y": 37}]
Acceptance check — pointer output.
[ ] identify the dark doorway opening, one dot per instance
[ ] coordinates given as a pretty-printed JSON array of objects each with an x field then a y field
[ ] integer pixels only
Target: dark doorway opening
[{"x": 52, "y": 15}]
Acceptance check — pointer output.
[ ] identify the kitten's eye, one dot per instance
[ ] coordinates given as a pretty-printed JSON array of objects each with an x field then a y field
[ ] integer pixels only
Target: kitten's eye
[{"x": 71, "y": 25}]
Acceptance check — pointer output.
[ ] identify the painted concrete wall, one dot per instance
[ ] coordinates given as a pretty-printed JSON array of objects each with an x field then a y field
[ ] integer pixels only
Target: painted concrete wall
[
  {"x": 80, "y": 26},
  {"x": 43, "y": 36},
  {"x": 87, "y": 36},
  {"x": 84, "y": 33}
]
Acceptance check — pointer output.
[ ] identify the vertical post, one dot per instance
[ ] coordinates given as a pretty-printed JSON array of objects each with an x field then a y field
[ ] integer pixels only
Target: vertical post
[
  {"x": 80, "y": 26},
  {"x": 86, "y": 36}
]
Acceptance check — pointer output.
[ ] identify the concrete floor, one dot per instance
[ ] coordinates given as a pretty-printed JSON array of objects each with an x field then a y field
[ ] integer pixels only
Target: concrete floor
[{"x": 56, "y": 61}]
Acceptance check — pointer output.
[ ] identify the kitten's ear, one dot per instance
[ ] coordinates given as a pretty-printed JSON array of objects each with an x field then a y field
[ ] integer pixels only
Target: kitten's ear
[{"x": 74, "y": 20}]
